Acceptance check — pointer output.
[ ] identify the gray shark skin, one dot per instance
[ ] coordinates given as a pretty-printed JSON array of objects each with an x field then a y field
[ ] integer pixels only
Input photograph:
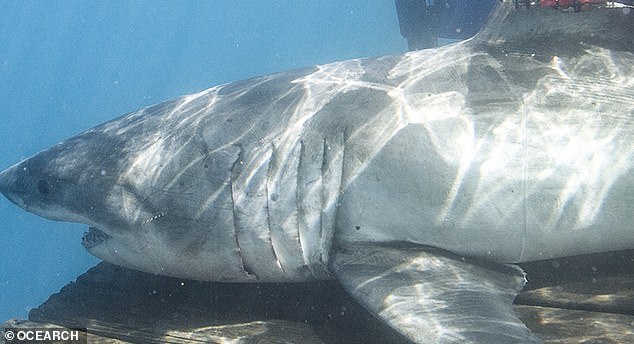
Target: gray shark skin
[{"x": 416, "y": 180}]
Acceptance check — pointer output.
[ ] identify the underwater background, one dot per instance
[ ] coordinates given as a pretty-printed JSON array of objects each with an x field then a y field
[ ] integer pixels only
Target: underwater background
[{"x": 66, "y": 66}]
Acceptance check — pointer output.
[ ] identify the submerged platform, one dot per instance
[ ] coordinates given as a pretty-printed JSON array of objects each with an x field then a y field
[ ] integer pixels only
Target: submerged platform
[{"x": 584, "y": 299}]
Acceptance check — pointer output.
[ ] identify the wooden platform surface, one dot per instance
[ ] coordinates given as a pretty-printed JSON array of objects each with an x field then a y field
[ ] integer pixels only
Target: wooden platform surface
[{"x": 585, "y": 299}]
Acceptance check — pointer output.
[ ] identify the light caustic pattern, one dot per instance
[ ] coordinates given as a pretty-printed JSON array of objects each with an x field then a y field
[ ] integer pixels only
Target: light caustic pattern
[
  {"x": 581, "y": 131},
  {"x": 572, "y": 125},
  {"x": 266, "y": 160}
]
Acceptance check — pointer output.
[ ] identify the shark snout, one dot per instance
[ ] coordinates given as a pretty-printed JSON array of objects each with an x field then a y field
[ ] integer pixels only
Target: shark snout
[
  {"x": 11, "y": 187},
  {"x": 26, "y": 185}
]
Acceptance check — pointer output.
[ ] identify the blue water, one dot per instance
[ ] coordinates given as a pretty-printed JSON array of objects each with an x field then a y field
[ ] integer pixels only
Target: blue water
[{"x": 66, "y": 66}]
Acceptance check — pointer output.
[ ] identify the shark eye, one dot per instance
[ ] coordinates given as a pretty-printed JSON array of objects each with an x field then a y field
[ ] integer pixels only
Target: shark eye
[{"x": 42, "y": 187}]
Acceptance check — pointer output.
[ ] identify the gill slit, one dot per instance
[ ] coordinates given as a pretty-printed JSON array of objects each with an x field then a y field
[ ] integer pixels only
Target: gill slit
[
  {"x": 323, "y": 256},
  {"x": 268, "y": 204},
  {"x": 236, "y": 166},
  {"x": 298, "y": 207},
  {"x": 342, "y": 186},
  {"x": 524, "y": 183}
]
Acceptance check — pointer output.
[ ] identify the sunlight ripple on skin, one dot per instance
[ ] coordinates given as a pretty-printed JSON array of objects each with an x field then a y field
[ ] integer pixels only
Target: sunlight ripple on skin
[{"x": 548, "y": 142}]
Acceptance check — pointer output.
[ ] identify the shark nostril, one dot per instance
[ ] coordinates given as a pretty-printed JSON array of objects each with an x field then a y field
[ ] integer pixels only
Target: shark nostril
[{"x": 42, "y": 187}]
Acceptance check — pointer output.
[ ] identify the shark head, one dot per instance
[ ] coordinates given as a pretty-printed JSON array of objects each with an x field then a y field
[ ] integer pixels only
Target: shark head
[
  {"x": 62, "y": 183},
  {"x": 80, "y": 180},
  {"x": 158, "y": 203}
]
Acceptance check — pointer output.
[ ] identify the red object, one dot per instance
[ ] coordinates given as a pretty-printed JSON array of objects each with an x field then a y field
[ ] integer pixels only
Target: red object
[{"x": 568, "y": 3}]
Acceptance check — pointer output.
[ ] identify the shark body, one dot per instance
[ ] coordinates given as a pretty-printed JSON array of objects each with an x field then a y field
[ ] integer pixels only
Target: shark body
[{"x": 416, "y": 180}]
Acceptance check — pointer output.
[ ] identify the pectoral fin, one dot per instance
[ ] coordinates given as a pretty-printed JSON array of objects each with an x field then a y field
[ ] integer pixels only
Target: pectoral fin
[{"x": 432, "y": 296}]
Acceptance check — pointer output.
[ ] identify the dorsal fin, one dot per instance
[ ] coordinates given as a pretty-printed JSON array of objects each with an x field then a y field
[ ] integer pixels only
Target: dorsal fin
[{"x": 550, "y": 30}]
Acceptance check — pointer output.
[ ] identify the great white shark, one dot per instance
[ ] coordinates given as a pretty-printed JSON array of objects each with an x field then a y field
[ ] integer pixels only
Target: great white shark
[{"x": 417, "y": 180}]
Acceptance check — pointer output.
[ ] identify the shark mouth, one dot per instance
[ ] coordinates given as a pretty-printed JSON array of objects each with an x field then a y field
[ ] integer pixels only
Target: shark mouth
[{"x": 93, "y": 237}]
